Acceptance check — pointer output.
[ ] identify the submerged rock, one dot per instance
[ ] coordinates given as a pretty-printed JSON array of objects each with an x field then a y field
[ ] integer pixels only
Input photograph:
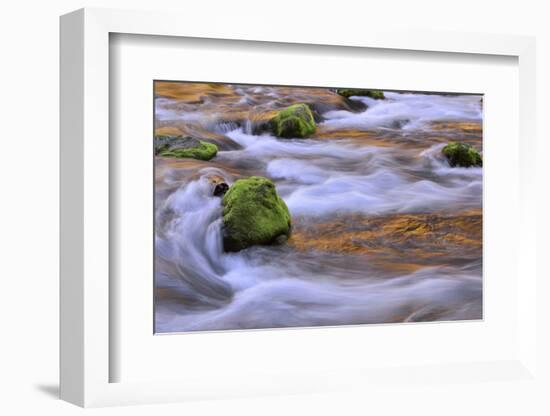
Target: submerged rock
[
  {"x": 253, "y": 213},
  {"x": 294, "y": 121},
  {"x": 359, "y": 92},
  {"x": 355, "y": 106},
  {"x": 184, "y": 146},
  {"x": 399, "y": 124},
  {"x": 462, "y": 155}
]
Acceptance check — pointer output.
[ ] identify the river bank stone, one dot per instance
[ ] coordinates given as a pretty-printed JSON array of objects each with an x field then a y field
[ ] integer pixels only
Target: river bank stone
[
  {"x": 294, "y": 121},
  {"x": 359, "y": 92},
  {"x": 462, "y": 155},
  {"x": 253, "y": 213},
  {"x": 184, "y": 147}
]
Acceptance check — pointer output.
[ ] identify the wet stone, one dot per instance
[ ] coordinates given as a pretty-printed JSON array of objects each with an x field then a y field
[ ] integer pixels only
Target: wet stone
[{"x": 220, "y": 189}]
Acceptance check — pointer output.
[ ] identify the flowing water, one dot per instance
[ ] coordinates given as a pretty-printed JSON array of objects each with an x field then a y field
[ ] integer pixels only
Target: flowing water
[{"x": 383, "y": 229}]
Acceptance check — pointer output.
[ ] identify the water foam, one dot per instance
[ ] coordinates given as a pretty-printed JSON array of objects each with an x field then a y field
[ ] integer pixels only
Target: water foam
[{"x": 407, "y": 111}]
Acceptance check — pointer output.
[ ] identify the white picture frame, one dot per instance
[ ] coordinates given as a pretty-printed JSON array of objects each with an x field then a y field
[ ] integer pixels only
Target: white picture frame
[{"x": 85, "y": 208}]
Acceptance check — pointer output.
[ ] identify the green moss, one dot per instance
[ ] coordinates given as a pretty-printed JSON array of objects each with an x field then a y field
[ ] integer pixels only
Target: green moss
[
  {"x": 253, "y": 213},
  {"x": 358, "y": 92},
  {"x": 162, "y": 143},
  {"x": 294, "y": 121},
  {"x": 185, "y": 147},
  {"x": 462, "y": 155}
]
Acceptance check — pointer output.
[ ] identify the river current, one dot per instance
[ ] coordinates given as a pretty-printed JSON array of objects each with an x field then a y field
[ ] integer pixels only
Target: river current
[{"x": 364, "y": 174}]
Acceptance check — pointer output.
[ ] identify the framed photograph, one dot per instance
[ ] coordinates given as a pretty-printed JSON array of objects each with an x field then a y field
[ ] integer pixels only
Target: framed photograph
[{"x": 282, "y": 213}]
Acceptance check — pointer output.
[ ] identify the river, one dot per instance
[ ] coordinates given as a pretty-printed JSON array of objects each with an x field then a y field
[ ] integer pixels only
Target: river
[{"x": 383, "y": 229}]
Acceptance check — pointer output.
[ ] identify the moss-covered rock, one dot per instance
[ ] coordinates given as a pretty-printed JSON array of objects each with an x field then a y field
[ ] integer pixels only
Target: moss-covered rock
[
  {"x": 184, "y": 146},
  {"x": 294, "y": 121},
  {"x": 462, "y": 155},
  {"x": 359, "y": 92},
  {"x": 253, "y": 213}
]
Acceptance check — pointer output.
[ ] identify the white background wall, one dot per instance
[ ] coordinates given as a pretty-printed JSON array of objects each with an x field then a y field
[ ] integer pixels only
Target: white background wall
[{"x": 29, "y": 56}]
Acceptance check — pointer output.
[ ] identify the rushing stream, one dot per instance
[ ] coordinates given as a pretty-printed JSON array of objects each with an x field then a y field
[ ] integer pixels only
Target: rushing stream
[{"x": 383, "y": 229}]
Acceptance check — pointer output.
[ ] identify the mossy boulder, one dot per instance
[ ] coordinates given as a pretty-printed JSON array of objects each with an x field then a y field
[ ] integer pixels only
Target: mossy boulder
[
  {"x": 462, "y": 155},
  {"x": 184, "y": 146},
  {"x": 359, "y": 92},
  {"x": 294, "y": 121},
  {"x": 253, "y": 213}
]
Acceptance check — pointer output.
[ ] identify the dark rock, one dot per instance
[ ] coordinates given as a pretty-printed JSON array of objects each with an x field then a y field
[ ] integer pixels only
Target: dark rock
[
  {"x": 220, "y": 189},
  {"x": 355, "y": 106},
  {"x": 280, "y": 240}
]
